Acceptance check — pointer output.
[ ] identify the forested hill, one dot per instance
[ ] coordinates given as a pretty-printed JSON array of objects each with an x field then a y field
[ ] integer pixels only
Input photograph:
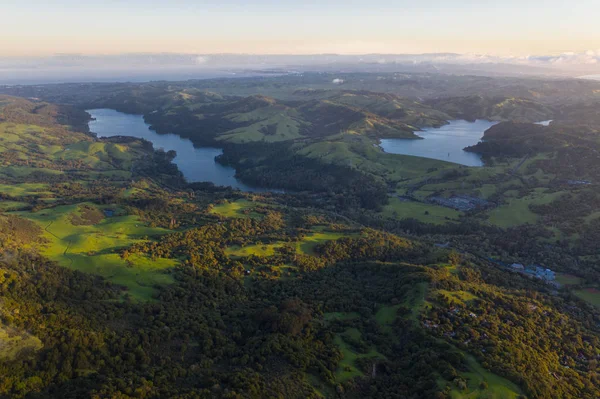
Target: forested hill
[
  {"x": 415, "y": 86},
  {"x": 569, "y": 152},
  {"x": 113, "y": 284},
  {"x": 494, "y": 108}
]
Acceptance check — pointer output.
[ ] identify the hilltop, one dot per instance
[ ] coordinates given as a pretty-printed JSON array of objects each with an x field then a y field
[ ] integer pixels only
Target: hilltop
[{"x": 494, "y": 108}]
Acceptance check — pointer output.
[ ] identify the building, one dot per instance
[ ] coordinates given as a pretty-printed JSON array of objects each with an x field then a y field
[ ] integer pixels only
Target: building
[
  {"x": 549, "y": 275},
  {"x": 517, "y": 266},
  {"x": 579, "y": 182},
  {"x": 540, "y": 272}
]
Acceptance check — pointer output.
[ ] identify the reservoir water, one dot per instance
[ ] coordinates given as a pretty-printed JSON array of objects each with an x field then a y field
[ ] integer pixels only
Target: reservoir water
[
  {"x": 196, "y": 163},
  {"x": 445, "y": 143}
]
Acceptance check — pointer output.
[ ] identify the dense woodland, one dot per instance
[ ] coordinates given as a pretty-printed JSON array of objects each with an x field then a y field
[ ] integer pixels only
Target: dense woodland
[{"x": 211, "y": 292}]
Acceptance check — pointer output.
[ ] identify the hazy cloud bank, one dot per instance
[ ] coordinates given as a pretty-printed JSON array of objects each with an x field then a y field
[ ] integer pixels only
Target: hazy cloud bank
[{"x": 73, "y": 67}]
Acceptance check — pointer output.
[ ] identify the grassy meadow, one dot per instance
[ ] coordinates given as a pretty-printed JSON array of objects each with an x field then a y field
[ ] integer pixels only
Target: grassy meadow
[
  {"x": 426, "y": 213},
  {"x": 319, "y": 236},
  {"x": 347, "y": 368},
  {"x": 516, "y": 211},
  {"x": 256, "y": 249},
  {"x": 482, "y": 384},
  {"x": 236, "y": 209},
  {"x": 93, "y": 248},
  {"x": 590, "y": 295},
  {"x": 568, "y": 279}
]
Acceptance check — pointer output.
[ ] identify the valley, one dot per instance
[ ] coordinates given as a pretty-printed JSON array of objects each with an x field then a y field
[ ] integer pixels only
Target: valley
[
  {"x": 372, "y": 274},
  {"x": 196, "y": 164}
]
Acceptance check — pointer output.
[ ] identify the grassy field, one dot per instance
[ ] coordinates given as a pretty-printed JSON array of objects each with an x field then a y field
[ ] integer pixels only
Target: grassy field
[
  {"x": 92, "y": 248},
  {"x": 271, "y": 124},
  {"x": 400, "y": 167},
  {"x": 386, "y": 315},
  {"x": 415, "y": 299},
  {"x": 12, "y": 205},
  {"x": 590, "y": 295},
  {"x": 309, "y": 243},
  {"x": 14, "y": 342},
  {"x": 594, "y": 216},
  {"x": 25, "y": 189},
  {"x": 568, "y": 279},
  {"x": 457, "y": 297},
  {"x": 497, "y": 387},
  {"x": 516, "y": 212},
  {"x": 347, "y": 368},
  {"x": 51, "y": 145},
  {"x": 306, "y": 246},
  {"x": 427, "y": 213},
  {"x": 237, "y": 209},
  {"x": 487, "y": 190},
  {"x": 20, "y": 172},
  {"x": 256, "y": 249},
  {"x": 362, "y": 153},
  {"x": 36, "y": 152}
]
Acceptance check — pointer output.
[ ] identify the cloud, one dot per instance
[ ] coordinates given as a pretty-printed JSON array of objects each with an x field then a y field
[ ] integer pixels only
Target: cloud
[
  {"x": 585, "y": 61},
  {"x": 564, "y": 60},
  {"x": 589, "y": 57}
]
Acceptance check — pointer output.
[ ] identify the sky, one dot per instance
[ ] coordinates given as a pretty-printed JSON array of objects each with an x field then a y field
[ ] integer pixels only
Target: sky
[{"x": 503, "y": 27}]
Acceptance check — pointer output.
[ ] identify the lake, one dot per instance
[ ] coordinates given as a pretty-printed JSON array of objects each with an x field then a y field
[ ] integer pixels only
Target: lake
[
  {"x": 196, "y": 163},
  {"x": 445, "y": 143}
]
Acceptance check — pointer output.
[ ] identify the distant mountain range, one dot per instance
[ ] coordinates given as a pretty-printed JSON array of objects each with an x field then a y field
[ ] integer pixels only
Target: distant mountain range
[{"x": 144, "y": 67}]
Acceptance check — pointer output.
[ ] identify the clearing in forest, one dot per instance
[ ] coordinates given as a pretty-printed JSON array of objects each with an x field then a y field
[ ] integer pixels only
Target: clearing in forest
[
  {"x": 426, "y": 213},
  {"x": 568, "y": 279},
  {"x": 516, "y": 211},
  {"x": 319, "y": 236},
  {"x": 237, "y": 209},
  {"x": 79, "y": 241},
  {"x": 254, "y": 249},
  {"x": 481, "y": 384},
  {"x": 347, "y": 342},
  {"x": 590, "y": 295}
]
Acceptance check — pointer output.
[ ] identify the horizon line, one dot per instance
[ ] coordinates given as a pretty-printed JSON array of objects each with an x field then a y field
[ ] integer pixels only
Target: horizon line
[{"x": 553, "y": 54}]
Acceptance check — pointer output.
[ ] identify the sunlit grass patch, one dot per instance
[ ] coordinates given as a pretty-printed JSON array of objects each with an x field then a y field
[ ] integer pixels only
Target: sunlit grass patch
[
  {"x": 427, "y": 213},
  {"x": 14, "y": 343},
  {"x": 25, "y": 189},
  {"x": 254, "y": 249},
  {"x": 236, "y": 209},
  {"x": 482, "y": 384},
  {"x": 310, "y": 241},
  {"x": 93, "y": 248},
  {"x": 12, "y": 205},
  {"x": 458, "y": 297}
]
